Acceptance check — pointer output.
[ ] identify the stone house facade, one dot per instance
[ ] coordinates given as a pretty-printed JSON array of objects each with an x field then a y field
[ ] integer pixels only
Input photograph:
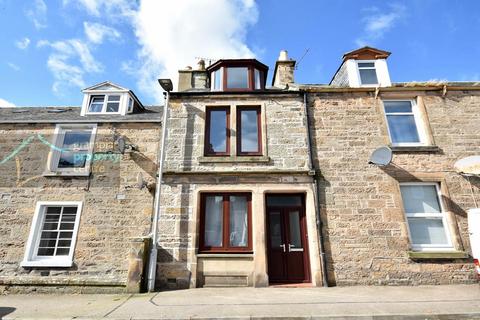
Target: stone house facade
[
  {"x": 261, "y": 185},
  {"x": 64, "y": 229}
]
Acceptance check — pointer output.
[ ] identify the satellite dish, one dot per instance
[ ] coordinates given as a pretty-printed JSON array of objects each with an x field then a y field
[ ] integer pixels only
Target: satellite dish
[
  {"x": 381, "y": 156},
  {"x": 469, "y": 165},
  {"x": 121, "y": 145}
]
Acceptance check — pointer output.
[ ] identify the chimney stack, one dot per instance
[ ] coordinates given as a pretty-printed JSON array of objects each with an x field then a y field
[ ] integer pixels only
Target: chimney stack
[
  {"x": 189, "y": 79},
  {"x": 284, "y": 70}
]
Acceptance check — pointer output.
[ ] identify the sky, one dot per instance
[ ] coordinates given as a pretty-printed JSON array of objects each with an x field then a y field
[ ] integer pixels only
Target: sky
[{"x": 51, "y": 49}]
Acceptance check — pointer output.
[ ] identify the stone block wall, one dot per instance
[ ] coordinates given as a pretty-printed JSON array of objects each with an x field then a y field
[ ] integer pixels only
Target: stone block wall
[
  {"x": 114, "y": 211},
  {"x": 366, "y": 233}
]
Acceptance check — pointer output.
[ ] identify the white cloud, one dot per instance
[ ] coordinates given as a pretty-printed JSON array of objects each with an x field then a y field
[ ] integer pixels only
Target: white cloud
[
  {"x": 22, "y": 44},
  {"x": 96, "y": 32},
  {"x": 38, "y": 14},
  {"x": 172, "y": 34},
  {"x": 62, "y": 62},
  {"x": 6, "y": 104},
  {"x": 13, "y": 66},
  {"x": 377, "y": 23}
]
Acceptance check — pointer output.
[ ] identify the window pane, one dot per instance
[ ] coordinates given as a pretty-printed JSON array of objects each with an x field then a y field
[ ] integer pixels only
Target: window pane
[
  {"x": 51, "y": 240},
  {"x": 295, "y": 232},
  {"x": 112, "y": 106},
  {"x": 284, "y": 200},
  {"x": 114, "y": 98},
  {"x": 403, "y": 129},
  {"x": 420, "y": 199},
  {"x": 96, "y": 104},
  {"x": 368, "y": 76},
  {"x": 237, "y": 78},
  {"x": 258, "y": 80},
  {"x": 366, "y": 65},
  {"x": 238, "y": 221},
  {"x": 427, "y": 231},
  {"x": 275, "y": 229},
  {"x": 213, "y": 221},
  {"x": 218, "y": 131},
  {"x": 217, "y": 79},
  {"x": 249, "y": 131},
  {"x": 77, "y": 139},
  {"x": 72, "y": 160},
  {"x": 397, "y": 106}
]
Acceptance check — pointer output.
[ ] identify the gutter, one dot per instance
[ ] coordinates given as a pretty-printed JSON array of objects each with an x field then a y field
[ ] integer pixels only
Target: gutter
[{"x": 316, "y": 178}]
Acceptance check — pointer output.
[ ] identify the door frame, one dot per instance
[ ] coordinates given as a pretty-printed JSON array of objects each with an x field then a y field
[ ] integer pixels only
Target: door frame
[{"x": 303, "y": 227}]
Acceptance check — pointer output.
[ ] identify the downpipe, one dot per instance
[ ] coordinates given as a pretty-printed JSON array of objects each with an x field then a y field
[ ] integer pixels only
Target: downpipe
[{"x": 316, "y": 182}]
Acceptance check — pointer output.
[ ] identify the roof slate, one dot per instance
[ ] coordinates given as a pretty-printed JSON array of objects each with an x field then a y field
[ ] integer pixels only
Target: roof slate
[{"x": 72, "y": 115}]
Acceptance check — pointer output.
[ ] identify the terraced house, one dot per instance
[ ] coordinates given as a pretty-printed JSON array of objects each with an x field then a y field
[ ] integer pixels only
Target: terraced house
[{"x": 262, "y": 185}]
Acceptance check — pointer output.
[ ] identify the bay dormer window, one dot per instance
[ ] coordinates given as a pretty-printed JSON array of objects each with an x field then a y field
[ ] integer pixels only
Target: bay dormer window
[
  {"x": 108, "y": 98},
  {"x": 237, "y": 75}
]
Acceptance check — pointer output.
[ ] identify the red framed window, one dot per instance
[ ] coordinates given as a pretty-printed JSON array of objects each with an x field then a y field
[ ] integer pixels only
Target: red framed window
[
  {"x": 217, "y": 131},
  {"x": 249, "y": 130},
  {"x": 225, "y": 222}
]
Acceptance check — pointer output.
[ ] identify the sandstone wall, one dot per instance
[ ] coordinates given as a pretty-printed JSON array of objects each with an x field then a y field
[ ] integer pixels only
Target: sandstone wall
[
  {"x": 114, "y": 209},
  {"x": 366, "y": 232}
]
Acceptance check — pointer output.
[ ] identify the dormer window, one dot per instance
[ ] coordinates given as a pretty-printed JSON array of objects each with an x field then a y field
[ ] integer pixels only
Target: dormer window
[
  {"x": 108, "y": 98},
  {"x": 104, "y": 104},
  {"x": 238, "y": 75},
  {"x": 368, "y": 73}
]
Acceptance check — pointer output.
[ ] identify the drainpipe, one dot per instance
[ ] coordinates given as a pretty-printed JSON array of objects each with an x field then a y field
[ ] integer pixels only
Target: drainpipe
[
  {"x": 316, "y": 181},
  {"x": 152, "y": 260}
]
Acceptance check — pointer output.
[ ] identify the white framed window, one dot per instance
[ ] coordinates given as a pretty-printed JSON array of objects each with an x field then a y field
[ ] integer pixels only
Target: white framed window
[
  {"x": 217, "y": 80},
  {"x": 367, "y": 73},
  {"x": 106, "y": 103},
  {"x": 426, "y": 217},
  {"x": 130, "y": 105},
  {"x": 53, "y": 234},
  {"x": 404, "y": 123},
  {"x": 72, "y": 148}
]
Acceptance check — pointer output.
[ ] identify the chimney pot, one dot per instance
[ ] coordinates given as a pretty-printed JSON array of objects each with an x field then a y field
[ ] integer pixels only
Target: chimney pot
[
  {"x": 201, "y": 65},
  {"x": 283, "y": 55}
]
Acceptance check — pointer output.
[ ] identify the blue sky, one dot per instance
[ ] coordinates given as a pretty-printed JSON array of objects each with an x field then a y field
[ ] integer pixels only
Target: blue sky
[{"x": 52, "y": 49}]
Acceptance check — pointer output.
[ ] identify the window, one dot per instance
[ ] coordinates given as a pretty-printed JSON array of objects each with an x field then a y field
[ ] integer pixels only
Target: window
[
  {"x": 368, "y": 74},
  {"x": 72, "y": 149},
  {"x": 130, "y": 105},
  {"x": 217, "y": 131},
  {"x": 237, "y": 78},
  {"x": 104, "y": 104},
  {"x": 249, "y": 141},
  {"x": 237, "y": 75},
  {"x": 53, "y": 234},
  {"x": 425, "y": 216},
  {"x": 402, "y": 122},
  {"x": 225, "y": 222}
]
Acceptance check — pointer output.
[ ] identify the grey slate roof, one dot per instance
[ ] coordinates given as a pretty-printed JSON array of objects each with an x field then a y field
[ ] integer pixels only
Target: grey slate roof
[{"x": 72, "y": 115}]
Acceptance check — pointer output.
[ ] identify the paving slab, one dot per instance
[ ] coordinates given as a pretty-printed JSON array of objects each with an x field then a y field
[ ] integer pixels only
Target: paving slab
[{"x": 422, "y": 302}]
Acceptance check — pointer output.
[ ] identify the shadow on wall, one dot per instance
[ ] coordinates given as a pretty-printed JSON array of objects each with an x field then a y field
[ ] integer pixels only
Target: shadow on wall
[
  {"x": 173, "y": 269},
  {"x": 6, "y": 311},
  {"x": 401, "y": 174},
  {"x": 190, "y": 135}
]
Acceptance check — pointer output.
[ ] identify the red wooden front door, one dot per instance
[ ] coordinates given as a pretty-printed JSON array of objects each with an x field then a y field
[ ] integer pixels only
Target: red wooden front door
[{"x": 287, "y": 245}]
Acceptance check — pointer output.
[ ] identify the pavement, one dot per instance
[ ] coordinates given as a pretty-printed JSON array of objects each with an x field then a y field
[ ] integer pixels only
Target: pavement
[{"x": 421, "y": 302}]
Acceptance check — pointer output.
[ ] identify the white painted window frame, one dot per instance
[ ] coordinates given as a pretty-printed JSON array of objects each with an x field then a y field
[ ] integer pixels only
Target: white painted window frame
[
  {"x": 105, "y": 101},
  {"x": 30, "y": 258},
  {"x": 213, "y": 78},
  {"x": 442, "y": 214},
  {"x": 374, "y": 68},
  {"x": 57, "y": 144},
  {"x": 421, "y": 130}
]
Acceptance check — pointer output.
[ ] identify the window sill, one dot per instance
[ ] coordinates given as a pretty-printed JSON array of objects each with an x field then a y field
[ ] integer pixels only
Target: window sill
[
  {"x": 65, "y": 174},
  {"x": 47, "y": 263},
  {"x": 225, "y": 255},
  {"x": 413, "y": 148},
  {"x": 234, "y": 159},
  {"x": 440, "y": 255}
]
